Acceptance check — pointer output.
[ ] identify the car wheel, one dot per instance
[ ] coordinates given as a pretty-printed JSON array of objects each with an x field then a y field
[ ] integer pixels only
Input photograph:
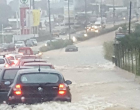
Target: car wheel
[{"x": 66, "y": 50}]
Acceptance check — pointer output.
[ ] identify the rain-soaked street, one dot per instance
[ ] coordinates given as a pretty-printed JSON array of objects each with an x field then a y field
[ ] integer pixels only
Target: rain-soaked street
[{"x": 97, "y": 83}]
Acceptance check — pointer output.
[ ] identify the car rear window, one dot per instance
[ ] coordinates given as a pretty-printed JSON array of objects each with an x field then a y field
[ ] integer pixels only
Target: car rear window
[
  {"x": 10, "y": 74},
  {"x": 37, "y": 66},
  {"x": 39, "y": 78},
  {"x": 2, "y": 61},
  {"x": 22, "y": 51}
]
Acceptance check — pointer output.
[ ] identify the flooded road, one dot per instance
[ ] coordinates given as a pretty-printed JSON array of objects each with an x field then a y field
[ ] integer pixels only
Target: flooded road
[{"x": 97, "y": 83}]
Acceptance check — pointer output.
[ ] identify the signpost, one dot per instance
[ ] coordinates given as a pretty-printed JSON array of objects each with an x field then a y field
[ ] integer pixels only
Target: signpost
[{"x": 24, "y": 6}]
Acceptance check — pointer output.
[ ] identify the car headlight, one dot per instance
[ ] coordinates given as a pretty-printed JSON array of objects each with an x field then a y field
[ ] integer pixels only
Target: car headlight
[
  {"x": 46, "y": 45},
  {"x": 74, "y": 39},
  {"x": 95, "y": 27},
  {"x": 96, "y": 31},
  {"x": 85, "y": 35},
  {"x": 40, "y": 53}
]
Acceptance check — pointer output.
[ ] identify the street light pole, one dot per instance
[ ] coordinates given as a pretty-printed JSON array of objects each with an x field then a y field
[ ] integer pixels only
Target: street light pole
[
  {"x": 130, "y": 17},
  {"x": 69, "y": 17},
  {"x": 33, "y": 4},
  {"x": 101, "y": 10},
  {"x": 50, "y": 27},
  {"x": 86, "y": 14},
  {"x": 113, "y": 12},
  {"x": 2, "y": 34}
]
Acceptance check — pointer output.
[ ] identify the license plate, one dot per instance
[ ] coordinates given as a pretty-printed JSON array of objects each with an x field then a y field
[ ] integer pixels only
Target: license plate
[{"x": 70, "y": 49}]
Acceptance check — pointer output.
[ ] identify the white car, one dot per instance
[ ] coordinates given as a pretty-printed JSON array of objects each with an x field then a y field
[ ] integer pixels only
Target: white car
[
  {"x": 98, "y": 25},
  {"x": 34, "y": 41},
  {"x": 4, "y": 62},
  {"x": 19, "y": 44}
]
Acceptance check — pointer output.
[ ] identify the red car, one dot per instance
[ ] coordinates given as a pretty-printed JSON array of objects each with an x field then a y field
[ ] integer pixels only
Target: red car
[
  {"x": 25, "y": 51},
  {"x": 22, "y": 62},
  {"x": 40, "y": 64},
  {"x": 30, "y": 57}
]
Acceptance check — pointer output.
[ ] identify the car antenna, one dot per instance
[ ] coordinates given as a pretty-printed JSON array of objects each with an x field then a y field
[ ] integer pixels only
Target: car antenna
[{"x": 39, "y": 68}]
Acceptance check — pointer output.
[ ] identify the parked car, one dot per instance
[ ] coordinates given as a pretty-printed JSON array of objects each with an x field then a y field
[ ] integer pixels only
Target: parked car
[
  {"x": 71, "y": 48},
  {"x": 7, "y": 76},
  {"x": 42, "y": 65},
  {"x": 39, "y": 85},
  {"x": 19, "y": 44},
  {"x": 8, "y": 47},
  {"x": 29, "y": 43},
  {"x": 34, "y": 42},
  {"x": 4, "y": 62}
]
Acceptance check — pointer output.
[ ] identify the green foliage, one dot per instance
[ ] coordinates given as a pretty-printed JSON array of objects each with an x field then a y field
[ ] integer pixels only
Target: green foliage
[
  {"x": 56, "y": 45},
  {"x": 108, "y": 50},
  {"x": 132, "y": 40}
]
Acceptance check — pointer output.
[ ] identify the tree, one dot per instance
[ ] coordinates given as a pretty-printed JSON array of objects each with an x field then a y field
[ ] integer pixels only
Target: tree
[{"x": 5, "y": 13}]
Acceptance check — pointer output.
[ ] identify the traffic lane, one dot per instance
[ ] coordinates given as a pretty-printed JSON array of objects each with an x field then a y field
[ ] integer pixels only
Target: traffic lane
[
  {"x": 92, "y": 75},
  {"x": 40, "y": 44},
  {"x": 95, "y": 86},
  {"x": 90, "y": 52}
]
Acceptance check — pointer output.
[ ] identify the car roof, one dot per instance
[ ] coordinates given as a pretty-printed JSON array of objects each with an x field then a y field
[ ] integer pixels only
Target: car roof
[
  {"x": 33, "y": 59},
  {"x": 16, "y": 67},
  {"x": 24, "y": 48},
  {"x": 24, "y": 71},
  {"x": 14, "y": 55},
  {"x": 29, "y": 56},
  {"x": 1, "y": 57},
  {"x": 38, "y": 63}
]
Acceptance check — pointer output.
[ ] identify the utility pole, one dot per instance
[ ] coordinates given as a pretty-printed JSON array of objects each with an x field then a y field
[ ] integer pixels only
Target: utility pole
[
  {"x": 2, "y": 34},
  {"x": 101, "y": 10},
  {"x": 33, "y": 4},
  {"x": 50, "y": 27},
  {"x": 86, "y": 15},
  {"x": 130, "y": 17},
  {"x": 113, "y": 12},
  {"x": 69, "y": 17}
]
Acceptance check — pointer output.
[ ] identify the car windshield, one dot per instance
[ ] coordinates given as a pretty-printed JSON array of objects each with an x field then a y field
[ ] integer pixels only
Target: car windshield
[
  {"x": 39, "y": 78},
  {"x": 2, "y": 61},
  {"x": 37, "y": 66},
  {"x": 10, "y": 74}
]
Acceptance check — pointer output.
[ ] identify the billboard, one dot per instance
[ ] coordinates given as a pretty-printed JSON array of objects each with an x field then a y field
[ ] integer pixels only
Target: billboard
[
  {"x": 24, "y": 3},
  {"x": 71, "y": 8},
  {"x": 23, "y": 21},
  {"x": 36, "y": 17}
]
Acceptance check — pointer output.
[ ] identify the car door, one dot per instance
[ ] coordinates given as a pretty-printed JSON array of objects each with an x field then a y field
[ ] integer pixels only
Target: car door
[{"x": 6, "y": 79}]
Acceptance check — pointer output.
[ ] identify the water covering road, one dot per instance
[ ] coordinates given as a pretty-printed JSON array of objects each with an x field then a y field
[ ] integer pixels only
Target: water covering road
[{"x": 97, "y": 83}]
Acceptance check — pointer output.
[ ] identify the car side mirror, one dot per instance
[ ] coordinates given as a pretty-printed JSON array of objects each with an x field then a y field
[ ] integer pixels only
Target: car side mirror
[
  {"x": 7, "y": 83},
  {"x": 68, "y": 82}
]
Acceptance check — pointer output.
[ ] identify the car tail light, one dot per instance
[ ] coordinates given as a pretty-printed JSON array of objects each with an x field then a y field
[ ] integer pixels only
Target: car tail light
[
  {"x": 62, "y": 89},
  {"x": 15, "y": 61},
  {"x": 17, "y": 89},
  {"x": 52, "y": 67},
  {"x": 6, "y": 65}
]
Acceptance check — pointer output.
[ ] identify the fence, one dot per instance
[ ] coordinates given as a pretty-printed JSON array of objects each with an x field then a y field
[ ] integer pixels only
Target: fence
[{"x": 127, "y": 58}]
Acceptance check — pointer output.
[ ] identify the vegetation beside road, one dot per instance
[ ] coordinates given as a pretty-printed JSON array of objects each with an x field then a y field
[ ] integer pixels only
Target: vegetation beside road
[
  {"x": 63, "y": 43},
  {"x": 127, "y": 51},
  {"x": 57, "y": 44}
]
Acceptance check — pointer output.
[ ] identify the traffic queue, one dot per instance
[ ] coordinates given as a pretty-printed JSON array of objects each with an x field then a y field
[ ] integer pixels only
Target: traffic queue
[{"x": 27, "y": 78}]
